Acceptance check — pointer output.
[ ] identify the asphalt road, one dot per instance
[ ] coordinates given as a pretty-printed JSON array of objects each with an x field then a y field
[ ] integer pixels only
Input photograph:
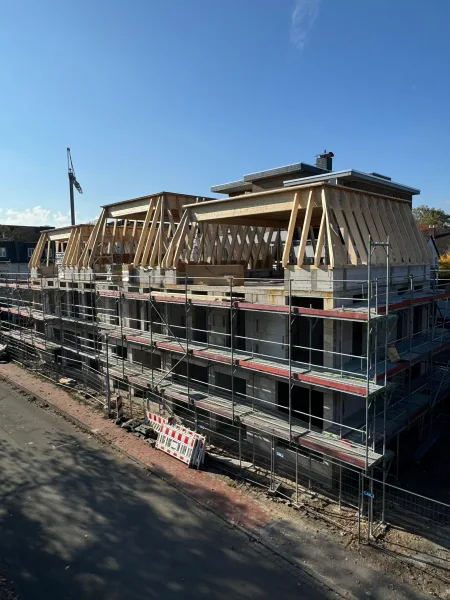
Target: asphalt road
[{"x": 78, "y": 521}]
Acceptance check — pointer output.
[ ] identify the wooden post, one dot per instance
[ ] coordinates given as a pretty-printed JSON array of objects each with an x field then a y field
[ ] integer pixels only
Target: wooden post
[
  {"x": 305, "y": 230},
  {"x": 143, "y": 237},
  {"x": 290, "y": 231}
]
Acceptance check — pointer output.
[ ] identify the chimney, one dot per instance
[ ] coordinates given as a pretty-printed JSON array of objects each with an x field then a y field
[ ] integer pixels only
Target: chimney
[{"x": 325, "y": 161}]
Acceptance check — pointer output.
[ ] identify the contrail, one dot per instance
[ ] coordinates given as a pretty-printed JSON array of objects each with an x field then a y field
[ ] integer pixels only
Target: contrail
[{"x": 303, "y": 18}]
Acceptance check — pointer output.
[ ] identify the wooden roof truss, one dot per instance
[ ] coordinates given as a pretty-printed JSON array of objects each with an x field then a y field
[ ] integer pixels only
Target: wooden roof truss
[
  {"x": 221, "y": 244},
  {"x": 136, "y": 232},
  {"x": 63, "y": 246},
  {"x": 315, "y": 225}
]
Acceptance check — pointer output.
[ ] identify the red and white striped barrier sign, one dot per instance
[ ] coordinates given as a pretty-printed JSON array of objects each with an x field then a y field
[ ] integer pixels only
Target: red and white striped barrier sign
[
  {"x": 187, "y": 447},
  {"x": 156, "y": 421}
]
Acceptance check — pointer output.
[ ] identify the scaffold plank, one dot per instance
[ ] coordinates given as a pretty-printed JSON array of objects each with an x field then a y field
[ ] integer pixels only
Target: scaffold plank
[{"x": 268, "y": 423}]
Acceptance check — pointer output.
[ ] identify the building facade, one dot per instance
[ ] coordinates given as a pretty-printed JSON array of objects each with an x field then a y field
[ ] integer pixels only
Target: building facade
[
  {"x": 297, "y": 322},
  {"x": 17, "y": 244}
]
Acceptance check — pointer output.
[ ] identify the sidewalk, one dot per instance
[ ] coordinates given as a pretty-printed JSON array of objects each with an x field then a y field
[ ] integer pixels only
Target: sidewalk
[{"x": 299, "y": 541}]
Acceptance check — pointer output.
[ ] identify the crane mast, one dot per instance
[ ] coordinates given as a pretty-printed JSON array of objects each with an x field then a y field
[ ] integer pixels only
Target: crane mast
[{"x": 72, "y": 183}]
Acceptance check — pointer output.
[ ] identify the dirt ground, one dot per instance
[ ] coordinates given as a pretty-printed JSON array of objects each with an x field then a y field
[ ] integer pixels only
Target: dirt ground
[{"x": 411, "y": 559}]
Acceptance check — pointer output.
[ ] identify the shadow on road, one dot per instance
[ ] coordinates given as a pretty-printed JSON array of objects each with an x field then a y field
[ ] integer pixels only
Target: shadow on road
[{"x": 78, "y": 521}]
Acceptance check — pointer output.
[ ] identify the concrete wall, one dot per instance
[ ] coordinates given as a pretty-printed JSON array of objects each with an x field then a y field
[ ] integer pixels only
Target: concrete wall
[
  {"x": 263, "y": 389},
  {"x": 219, "y": 325},
  {"x": 323, "y": 279},
  {"x": 268, "y": 333},
  {"x": 176, "y": 318}
]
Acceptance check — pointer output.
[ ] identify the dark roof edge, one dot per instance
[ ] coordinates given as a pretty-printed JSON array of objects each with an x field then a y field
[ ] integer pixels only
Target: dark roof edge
[
  {"x": 150, "y": 196},
  {"x": 357, "y": 175},
  {"x": 285, "y": 170},
  {"x": 432, "y": 240},
  {"x": 232, "y": 186}
]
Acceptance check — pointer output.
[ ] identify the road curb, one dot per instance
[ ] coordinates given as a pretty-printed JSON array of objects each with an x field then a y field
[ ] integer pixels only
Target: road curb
[{"x": 252, "y": 536}]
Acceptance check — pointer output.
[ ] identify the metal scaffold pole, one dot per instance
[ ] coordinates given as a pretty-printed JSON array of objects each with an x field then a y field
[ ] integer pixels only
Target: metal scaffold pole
[
  {"x": 290, "y": 359},
  {"x": 149, "y": 309},
  {"x": 188, "y": 375},
  {"x": 386, "y": 343},
  {"x": 410, "y": 336},
  {"x": 369, "y": 273},
  {"x": 108, "y": 390},
  {"x": 61, "y": 336},
  {"x": 369, "y": 259},
  {"x": 232, "y": 347},
  {"x": 121, "y": 331}
]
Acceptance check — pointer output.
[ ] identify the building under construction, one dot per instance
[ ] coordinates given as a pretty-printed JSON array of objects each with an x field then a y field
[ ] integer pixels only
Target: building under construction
[{"x": 296, "y": 322}]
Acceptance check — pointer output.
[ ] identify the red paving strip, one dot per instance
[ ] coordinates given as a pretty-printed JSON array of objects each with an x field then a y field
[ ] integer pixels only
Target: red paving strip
[{"x": 207, "y": 490}]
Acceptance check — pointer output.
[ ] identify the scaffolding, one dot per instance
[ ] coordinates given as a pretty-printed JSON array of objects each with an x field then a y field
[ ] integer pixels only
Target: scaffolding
[
  {"x": 100, "y": 332},
  {"x": 265, "y": 365}
]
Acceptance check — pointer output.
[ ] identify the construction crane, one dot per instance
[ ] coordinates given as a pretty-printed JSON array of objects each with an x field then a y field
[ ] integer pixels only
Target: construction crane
[{"x": 72, "y": 182}]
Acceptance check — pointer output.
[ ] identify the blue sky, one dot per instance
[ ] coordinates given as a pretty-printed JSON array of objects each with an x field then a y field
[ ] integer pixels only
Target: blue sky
[{"x": 184, "y": 94}]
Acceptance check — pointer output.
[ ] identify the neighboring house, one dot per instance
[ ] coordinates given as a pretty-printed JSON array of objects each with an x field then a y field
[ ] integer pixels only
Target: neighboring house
[
  {"x": 322, "y": 172},
  {"x": 438, "y": 239},
  {"x": 17, "y": 243}
]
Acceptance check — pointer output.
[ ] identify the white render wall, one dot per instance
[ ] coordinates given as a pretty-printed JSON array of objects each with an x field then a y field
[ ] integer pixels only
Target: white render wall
[{"x": 268, "y": 333}]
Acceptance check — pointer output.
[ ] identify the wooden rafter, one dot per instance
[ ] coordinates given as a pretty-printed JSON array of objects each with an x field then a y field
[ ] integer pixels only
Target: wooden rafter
[
  {"x": 344, "y": 228},
  {"x": 176, "y": 244},
  {"x": 320, "y": 241},
  {"x": 191, "y": 237},
  {"x": 212, "y": 246},
  {"x": 382, "y": 235},
  {"x": 266, "y": 247},
  {"x": 388, "y": 227},
  {"x": 305, "y": 229},
  {"x": 401, "y": 250},
  {"x": 143, "y": 237},
  {"x": 257, "y": 253},
  {"x": 251, "y": 239},
  {"x": 154, "y": 235},
  {"x": 337, "y": 256},
  {"x": 223, "y": 236},
  {"x": 183, "y": 227},
  {"x": 290, "y": 231},
  {"x": 35, "y": 261},
  {"x": 366, "y": 233},
  {"x": 354, "y": 231},
  {"x": 86, "y": 257}
]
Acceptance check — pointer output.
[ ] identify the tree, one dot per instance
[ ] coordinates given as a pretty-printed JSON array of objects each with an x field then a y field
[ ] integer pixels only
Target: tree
[
  {"x": 444, "y": 262},
  {"x": 428, "y": 216}
]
